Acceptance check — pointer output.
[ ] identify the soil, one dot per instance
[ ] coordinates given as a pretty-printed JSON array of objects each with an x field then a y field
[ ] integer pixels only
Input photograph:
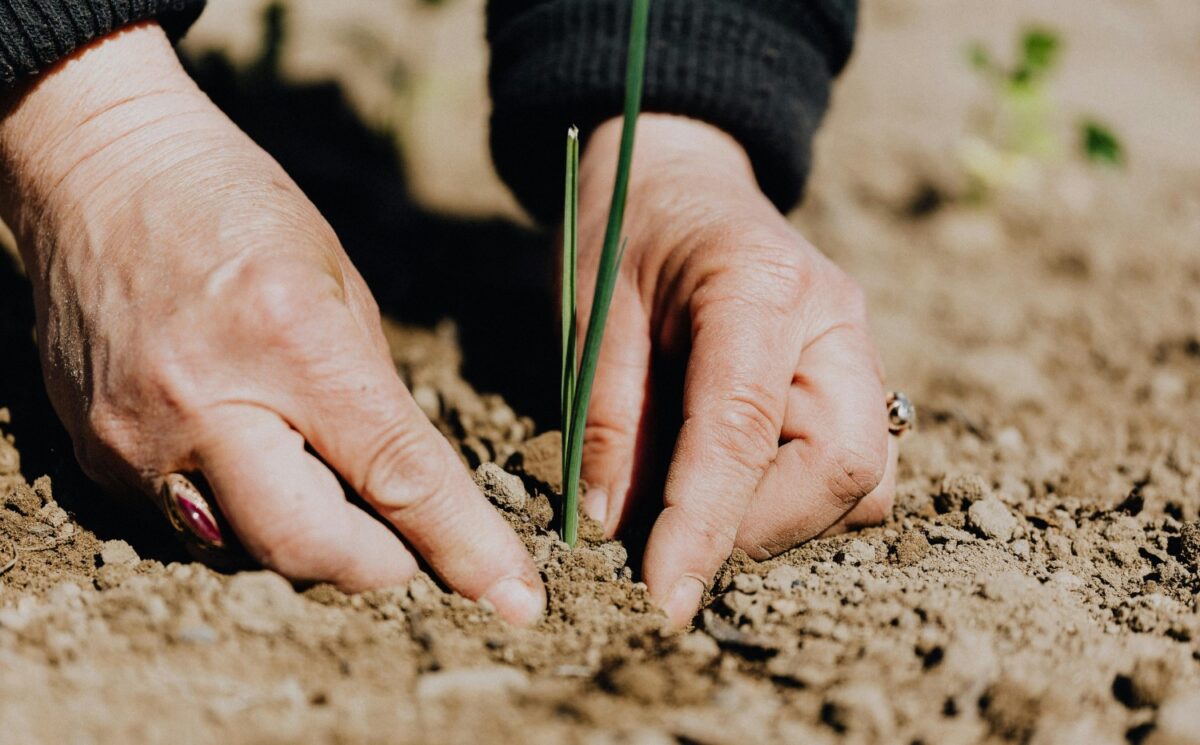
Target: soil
[{"x": 1038, "y": 582}]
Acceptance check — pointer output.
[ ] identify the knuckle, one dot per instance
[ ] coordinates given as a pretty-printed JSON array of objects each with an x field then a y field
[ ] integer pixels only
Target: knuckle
[
  {"x": 606, "y": 436},
  {"x": 765, "y": 548},
  {"x": 712, "y": 533},
  {"x": 775, "y": 281},
  {"x": 854, "y": 470},
  {"x": 406, "y": 473},
  {"x": 280, "y": 301},
  {"x": 747, "y": 425}
]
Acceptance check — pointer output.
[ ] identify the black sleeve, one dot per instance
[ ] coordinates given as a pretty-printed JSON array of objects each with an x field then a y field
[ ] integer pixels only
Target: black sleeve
[
  {"x": 34, "y": 34},
  {"x": 759, "y": 69}
]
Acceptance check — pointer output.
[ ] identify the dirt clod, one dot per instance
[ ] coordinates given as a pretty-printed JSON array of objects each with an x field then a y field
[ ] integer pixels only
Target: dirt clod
[
  {"x": 911, "y": 548},
  {"x": 503, "y": 488},
  {"x": 960, "y": 492},
  {"x": 991, "y": 519},
  {"x": 23, "y": 500}
]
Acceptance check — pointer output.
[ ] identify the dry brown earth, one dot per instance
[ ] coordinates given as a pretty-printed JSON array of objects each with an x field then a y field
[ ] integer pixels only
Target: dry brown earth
[{"x": 1037, "y": 583}]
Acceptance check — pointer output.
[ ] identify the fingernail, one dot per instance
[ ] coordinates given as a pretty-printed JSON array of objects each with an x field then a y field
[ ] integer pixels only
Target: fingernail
[
  {"x": 595, "y": 504},
  {"x": 684, "y": 600},
  {"x": 517, "y": 600}
]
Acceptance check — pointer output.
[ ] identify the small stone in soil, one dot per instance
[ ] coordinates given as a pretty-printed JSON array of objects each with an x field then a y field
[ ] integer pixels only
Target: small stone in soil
[
  {"x": 53, "y": 514},
  {"x": 991, "y": 519},
  {"x": 782, "y": 578},
  {"x": 118, "y": 553},
  {"x": 857, "y": 552}
]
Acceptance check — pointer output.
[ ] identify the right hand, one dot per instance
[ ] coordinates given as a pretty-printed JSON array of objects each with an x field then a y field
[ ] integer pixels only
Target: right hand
[{"x": 196, "y": 313}]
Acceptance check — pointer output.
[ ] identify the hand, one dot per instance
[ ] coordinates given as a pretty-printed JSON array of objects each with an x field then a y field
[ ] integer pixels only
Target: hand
[
  {"x": 722, "y": 305},
  {"x": 195, "y": 312}
]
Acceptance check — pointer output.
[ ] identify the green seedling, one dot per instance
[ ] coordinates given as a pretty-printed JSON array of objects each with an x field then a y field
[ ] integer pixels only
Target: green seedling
[
  {"x": 1019, "y": 133},
  {"x": 576, "y": 388}
]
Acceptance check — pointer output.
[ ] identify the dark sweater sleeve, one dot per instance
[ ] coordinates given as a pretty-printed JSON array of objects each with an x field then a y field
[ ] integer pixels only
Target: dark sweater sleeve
[
  {"x": 34, "y": 34},
  {"x": 759, "y": 69}
]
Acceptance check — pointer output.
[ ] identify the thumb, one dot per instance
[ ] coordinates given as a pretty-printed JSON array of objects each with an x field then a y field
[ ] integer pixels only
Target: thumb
[{"x": 618, "y": 411}]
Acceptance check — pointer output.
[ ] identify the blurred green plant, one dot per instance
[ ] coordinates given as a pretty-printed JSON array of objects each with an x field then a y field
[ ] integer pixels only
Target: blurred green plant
[
  {"x": 1100, "y": 144},
  {"x": 1019, "y": 134}
]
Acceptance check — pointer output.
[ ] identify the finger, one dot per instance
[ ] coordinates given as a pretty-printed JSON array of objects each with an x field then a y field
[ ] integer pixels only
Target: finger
[
  {"x": 288, "y": 509},
  {"x": 617, "y": 414},
  {"x": 877, "y": 506},
  {"x": 837, "y": 446},
  {"x": 735, "y": 393},
  {"x": 367, "y": 426}
]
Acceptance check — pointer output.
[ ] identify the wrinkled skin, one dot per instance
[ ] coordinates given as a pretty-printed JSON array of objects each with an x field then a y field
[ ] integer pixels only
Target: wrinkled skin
[{"x": 196, "y": 313}]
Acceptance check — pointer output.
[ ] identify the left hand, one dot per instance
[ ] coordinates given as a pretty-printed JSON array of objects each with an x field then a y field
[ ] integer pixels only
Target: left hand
[{"x": 783, "y": 431}]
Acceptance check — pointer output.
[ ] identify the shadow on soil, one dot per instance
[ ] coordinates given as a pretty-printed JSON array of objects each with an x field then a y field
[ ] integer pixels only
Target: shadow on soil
[{"x": 486, "y": 275}]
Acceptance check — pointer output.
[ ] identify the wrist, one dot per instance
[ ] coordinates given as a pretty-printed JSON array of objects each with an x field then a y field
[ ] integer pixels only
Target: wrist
[
  {"x": 685, "y": 174},
  {"x": 667, "y": 147}
]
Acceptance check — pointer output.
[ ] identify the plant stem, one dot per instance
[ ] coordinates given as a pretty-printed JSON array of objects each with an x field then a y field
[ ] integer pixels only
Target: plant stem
[
  {"x": 606, "y": 277},
  {"x": 569, "y": 267}
]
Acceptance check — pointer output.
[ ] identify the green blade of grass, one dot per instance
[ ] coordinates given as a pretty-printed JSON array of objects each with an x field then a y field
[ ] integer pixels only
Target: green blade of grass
[
  {"x": 569, "y": 266},
  {"x": 606, "y": 277}
]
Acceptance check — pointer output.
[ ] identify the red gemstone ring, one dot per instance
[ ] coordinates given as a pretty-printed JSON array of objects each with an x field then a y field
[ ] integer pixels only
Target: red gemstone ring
[{"x": 189, "y": 512}]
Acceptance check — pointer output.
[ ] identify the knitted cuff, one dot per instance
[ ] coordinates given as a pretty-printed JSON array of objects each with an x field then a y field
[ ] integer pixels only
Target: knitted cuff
[
  {"x": 34, "y": 34},
  {"x": 758, "y": 69}
]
